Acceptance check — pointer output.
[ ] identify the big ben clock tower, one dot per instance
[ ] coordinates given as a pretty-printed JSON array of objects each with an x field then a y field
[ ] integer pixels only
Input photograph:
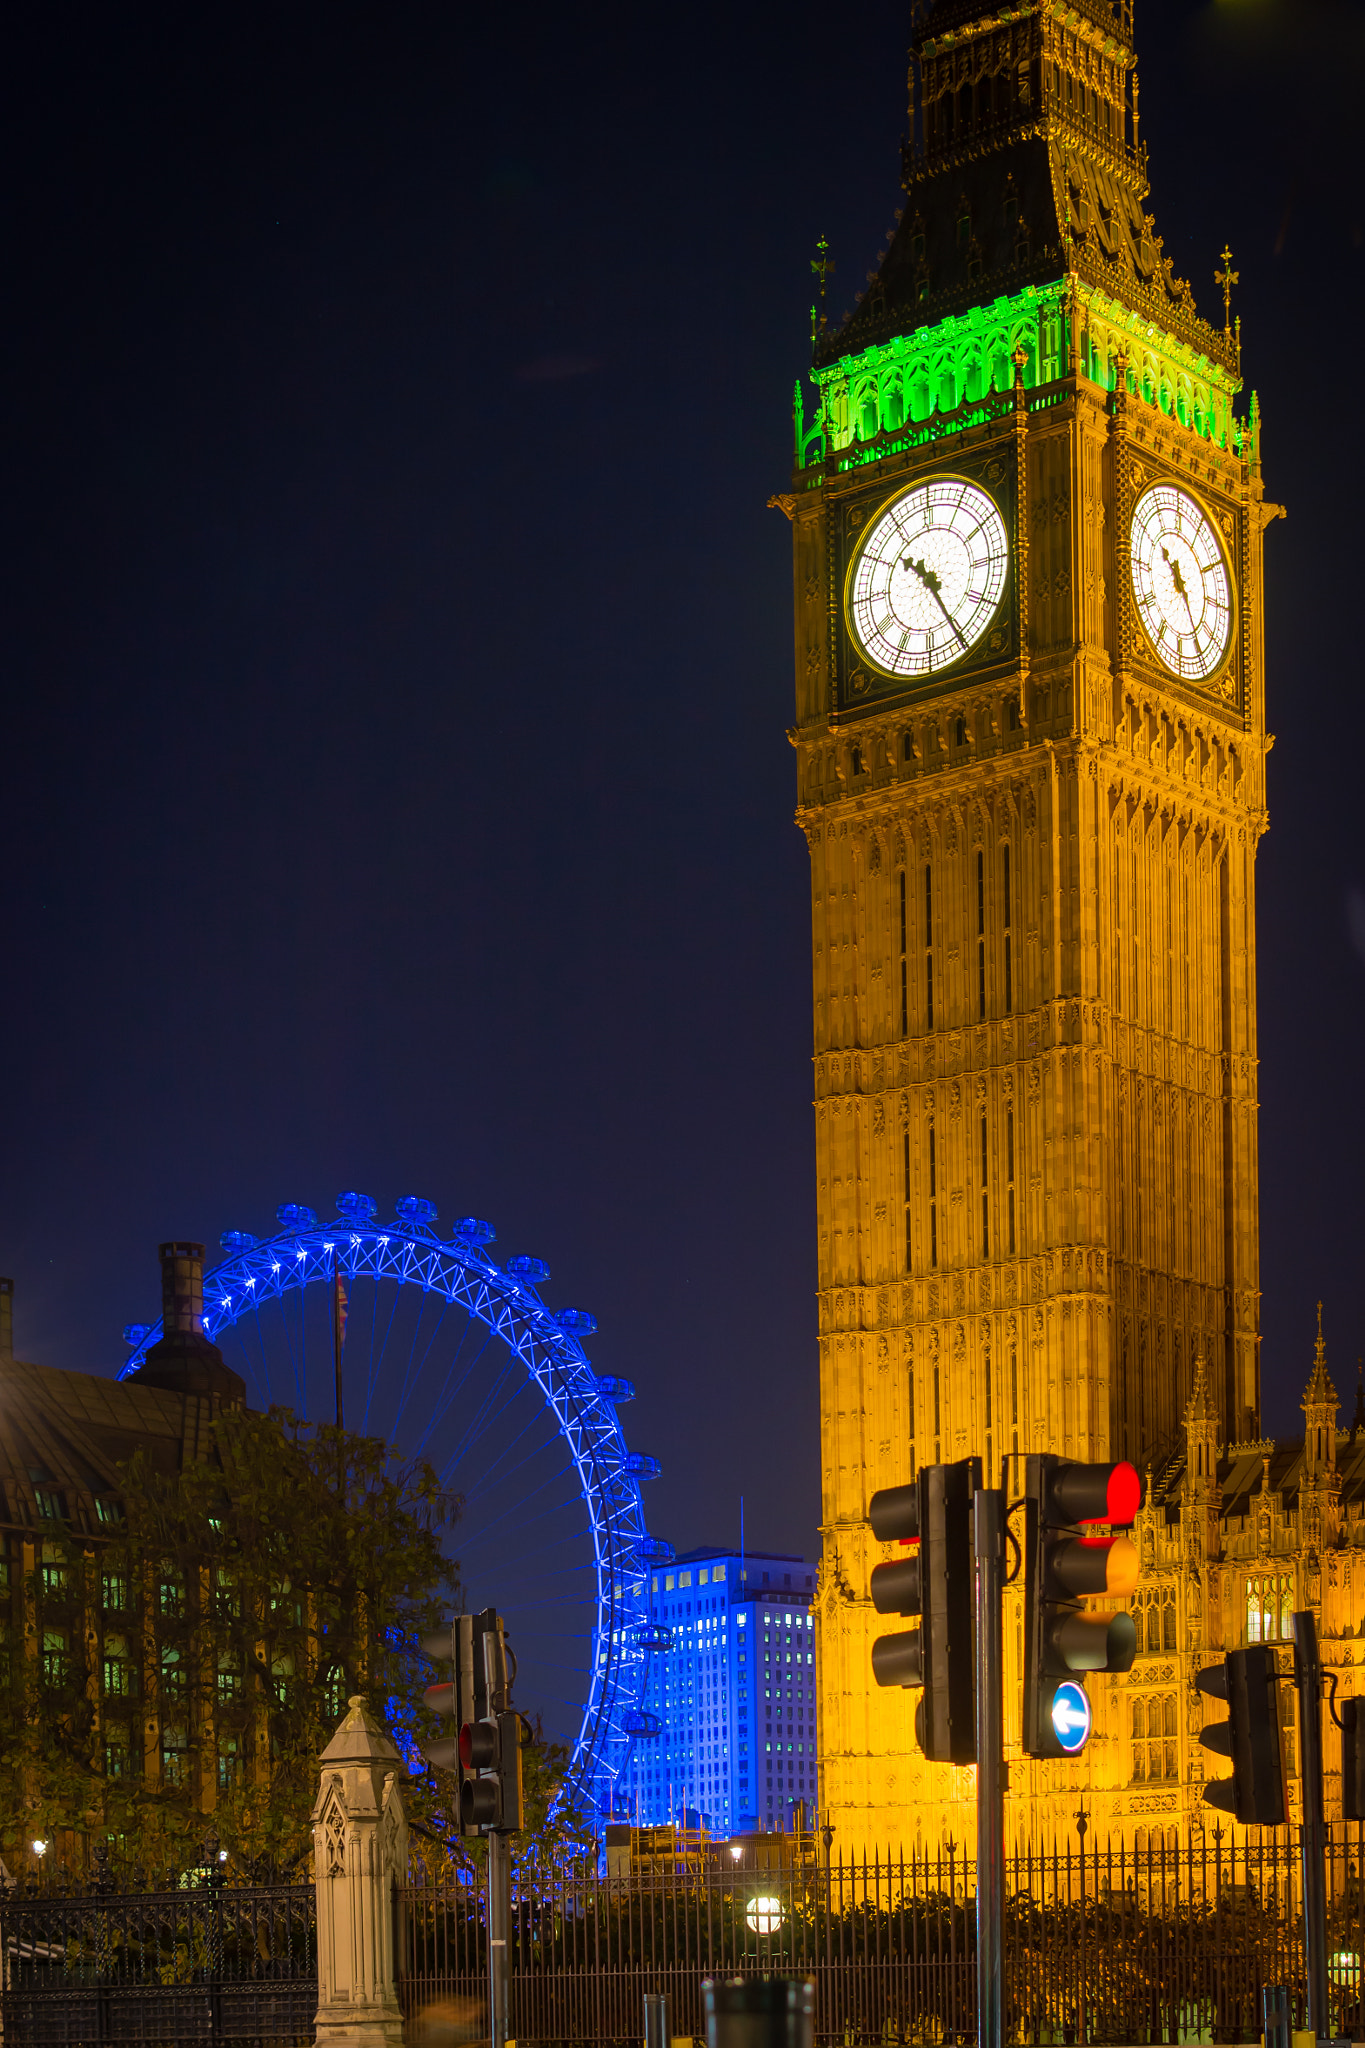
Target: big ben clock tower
[{"x": 1030, "y": 741}]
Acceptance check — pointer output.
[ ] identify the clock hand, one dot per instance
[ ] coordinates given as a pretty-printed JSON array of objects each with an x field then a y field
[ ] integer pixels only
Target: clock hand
[
  {"x": 932, "y": 584},
  {"x": 1179, "y": 583}
]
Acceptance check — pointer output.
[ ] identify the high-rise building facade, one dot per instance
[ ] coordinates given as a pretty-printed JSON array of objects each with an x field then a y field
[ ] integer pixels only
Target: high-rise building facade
[
  {"x": 728, "y": 1735},
  {"x": 1027, "y": 518}
]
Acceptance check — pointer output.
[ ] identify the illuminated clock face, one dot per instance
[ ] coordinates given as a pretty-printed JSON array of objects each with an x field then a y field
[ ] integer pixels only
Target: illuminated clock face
[
  {"x": 928, "y": 577},
  {"x": 1180, "y": 581}
]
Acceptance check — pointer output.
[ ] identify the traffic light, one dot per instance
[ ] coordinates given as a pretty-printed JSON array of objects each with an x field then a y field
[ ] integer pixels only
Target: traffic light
[
  {"x": 1352, "y": 1759},
  {"x": 453, "y": 1649},
  {"x": 936, "y": 1583},
  {"x": 490, "y": 1787},
  {"x": 463, "y": 1696},
  {"x": 1254, "y": 1794},
  {"x": 1062, "y": 1567}
]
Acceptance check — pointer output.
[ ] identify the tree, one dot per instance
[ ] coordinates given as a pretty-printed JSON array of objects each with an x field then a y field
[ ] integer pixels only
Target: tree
[{"x": 196, "y": 1661}]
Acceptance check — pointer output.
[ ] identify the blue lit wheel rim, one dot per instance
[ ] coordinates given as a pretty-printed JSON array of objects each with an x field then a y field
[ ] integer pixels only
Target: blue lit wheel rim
[{"x": 540, "y": 1356}]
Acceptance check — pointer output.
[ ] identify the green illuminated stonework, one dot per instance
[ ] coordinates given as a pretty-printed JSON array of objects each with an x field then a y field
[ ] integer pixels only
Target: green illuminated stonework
[
  {"x": 1024, "y": 228},
  {"x": 916, "y": 388}
]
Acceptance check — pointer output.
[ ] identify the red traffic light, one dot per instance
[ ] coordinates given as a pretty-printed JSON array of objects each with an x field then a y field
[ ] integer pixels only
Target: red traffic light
[
  {"x": 479, "y": 1745},
  {"x": 440, "y": 1699},
  {"x": 1063, "y": 1567},
  {"x": 1096, "y": 1493}
]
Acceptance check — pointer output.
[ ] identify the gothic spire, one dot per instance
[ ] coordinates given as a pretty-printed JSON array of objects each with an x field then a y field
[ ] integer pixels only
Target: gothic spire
[
  {"x": 1022, "y": 165},
  {"x": 1319, "y": 1404},
  {"x": 1320, "y": 1392}
]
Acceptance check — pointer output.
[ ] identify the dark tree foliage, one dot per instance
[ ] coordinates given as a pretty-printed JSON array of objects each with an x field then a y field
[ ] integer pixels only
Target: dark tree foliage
[{"x": 202, "y": 1655}]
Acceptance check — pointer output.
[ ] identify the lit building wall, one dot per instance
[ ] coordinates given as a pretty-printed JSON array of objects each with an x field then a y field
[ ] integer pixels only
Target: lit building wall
[{"x": 733, "y": 1695}]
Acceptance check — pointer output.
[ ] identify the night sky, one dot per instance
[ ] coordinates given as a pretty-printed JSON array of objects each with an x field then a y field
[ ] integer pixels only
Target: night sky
[{"x": 397, "y": 652}]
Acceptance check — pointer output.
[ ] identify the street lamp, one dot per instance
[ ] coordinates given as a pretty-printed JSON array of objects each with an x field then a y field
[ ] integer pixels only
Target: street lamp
[{"x": 764, "y": 1915}]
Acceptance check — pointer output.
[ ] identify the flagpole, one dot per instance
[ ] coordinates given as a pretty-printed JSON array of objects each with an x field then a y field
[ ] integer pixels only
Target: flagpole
[
  {"x": 337, "y": 1335},
  {"x": 338, "y": 1343}
]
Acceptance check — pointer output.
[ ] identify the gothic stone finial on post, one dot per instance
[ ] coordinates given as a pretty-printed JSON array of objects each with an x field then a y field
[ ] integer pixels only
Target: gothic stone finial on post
[
  {"x": 822, "y": 266},
  {"x": 1227, "y": 277},
  {"x": 360, "y": 1852}
]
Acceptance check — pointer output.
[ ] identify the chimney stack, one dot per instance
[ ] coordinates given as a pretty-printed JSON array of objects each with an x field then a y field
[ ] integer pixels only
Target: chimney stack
[
  {"x": 6, "y": 1322},
  {"x": 183, "y": 1359},
  {"x": 182, "y": 1288}
]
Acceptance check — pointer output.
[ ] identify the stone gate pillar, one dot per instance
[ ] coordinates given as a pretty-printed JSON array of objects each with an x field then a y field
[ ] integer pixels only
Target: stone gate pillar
[{"x": 360, "y": 1853}]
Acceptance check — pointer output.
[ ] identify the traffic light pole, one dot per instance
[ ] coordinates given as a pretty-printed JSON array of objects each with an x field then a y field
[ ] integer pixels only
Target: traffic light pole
[
  {"x": 989, "y": 1523},
  {"x": 499, "y": 1858},
  {"x": 1313, "y": 1832},
  {"x": 499, "y": 1918}
]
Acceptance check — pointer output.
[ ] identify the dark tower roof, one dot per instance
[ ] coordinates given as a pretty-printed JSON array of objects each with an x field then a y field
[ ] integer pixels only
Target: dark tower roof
[{"x": 1023, "y": 164}]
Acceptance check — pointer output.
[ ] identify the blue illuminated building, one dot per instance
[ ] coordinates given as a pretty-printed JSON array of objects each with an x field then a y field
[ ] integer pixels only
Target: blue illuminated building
[{"x": 733, "y": 1693}]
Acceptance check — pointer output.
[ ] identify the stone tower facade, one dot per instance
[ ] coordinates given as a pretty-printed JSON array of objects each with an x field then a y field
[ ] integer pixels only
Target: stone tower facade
[{"x": 1030, "y": 741}]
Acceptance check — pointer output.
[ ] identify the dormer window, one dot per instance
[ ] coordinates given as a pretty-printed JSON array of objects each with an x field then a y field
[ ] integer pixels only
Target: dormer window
[
  {"x": 48, "y": 1503},
  {"x": 1011, "y": 211},
  {"x": 964, "y": 228},
  {"x": 917, "y": 248}
]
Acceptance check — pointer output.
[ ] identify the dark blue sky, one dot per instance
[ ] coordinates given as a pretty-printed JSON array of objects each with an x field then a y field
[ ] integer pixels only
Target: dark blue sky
[{"x": 396, "y": 651}]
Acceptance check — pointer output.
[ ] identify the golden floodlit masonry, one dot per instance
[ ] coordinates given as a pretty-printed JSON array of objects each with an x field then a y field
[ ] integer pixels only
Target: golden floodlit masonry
[{"x": 1027, "y": 520}]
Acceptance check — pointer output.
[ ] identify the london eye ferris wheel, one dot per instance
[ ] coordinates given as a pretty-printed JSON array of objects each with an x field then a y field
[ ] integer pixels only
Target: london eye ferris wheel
[{"x": 457, "y": 1359}]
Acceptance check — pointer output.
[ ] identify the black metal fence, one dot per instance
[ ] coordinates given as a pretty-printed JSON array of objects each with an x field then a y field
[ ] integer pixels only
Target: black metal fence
[
  {"x": 1102, "y": 1945},
  {"x": 202, "y": 1956},
  {"x": 1105, "y": 1945}
]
